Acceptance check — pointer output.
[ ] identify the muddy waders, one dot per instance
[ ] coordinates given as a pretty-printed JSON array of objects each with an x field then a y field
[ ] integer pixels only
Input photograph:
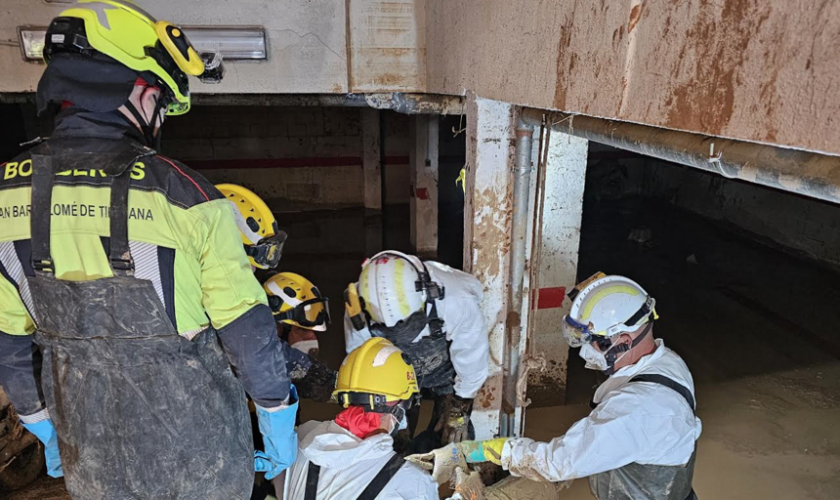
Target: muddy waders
[
  {"x": 141, "y": 412},
  {"x": 648, "y": 482}
]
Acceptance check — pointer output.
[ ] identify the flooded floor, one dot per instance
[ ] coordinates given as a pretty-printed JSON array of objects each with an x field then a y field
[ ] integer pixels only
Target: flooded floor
[{"x": 757, "y": 327}]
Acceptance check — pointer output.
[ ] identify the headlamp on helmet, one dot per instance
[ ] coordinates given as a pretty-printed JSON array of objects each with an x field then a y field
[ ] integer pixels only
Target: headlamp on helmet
[{"x": 262, "y": 238}]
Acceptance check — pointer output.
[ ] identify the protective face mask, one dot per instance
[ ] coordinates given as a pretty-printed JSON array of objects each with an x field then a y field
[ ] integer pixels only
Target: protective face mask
[{"x": 595, "y": 360}]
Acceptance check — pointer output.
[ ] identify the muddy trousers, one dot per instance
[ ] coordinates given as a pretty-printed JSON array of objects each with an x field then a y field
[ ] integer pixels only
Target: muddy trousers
[{"x": 140, "y": 411}]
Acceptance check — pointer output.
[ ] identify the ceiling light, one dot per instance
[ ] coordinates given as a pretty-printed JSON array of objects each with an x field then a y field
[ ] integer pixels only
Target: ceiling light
[
  {"x": 235, "y": 44},
  {"x": 32, "y": 42}
]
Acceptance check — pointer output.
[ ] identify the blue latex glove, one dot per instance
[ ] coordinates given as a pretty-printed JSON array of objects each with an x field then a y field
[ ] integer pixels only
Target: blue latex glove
[
  {"x": 280, "y": 439},
  {"x": 45, "y": 432}
]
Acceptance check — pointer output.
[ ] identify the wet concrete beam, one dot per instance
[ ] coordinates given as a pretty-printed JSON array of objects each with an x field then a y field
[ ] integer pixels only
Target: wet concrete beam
[
  {"x": 762, "y": 71},
  {"x": 487, "y": 237},
  {"x": 371, "y": 159},
  {"x": 424, "y": 163}
]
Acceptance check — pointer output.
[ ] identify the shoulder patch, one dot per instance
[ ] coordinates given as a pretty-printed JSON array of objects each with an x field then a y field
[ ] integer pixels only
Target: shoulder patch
[{"x": 182, "y": 185}]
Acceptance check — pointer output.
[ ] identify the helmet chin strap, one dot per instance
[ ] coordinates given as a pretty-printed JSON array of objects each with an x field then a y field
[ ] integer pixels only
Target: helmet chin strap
[
  {"x": 612, "y": 354},
  {"x": 148, "y": 129}
]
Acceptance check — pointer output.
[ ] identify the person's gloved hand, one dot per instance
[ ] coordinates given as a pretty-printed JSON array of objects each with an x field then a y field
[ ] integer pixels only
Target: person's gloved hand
[
  {"x": 318, "y": 383},
  {"x": 484, "y": 451},
  {"x": 45, "y": 432},
  {"x": 442, "y": 462},
  {"x": 454, "y": 424},
  {"x": 468, "y": 484},
  {"x": 277, "y": 427}
]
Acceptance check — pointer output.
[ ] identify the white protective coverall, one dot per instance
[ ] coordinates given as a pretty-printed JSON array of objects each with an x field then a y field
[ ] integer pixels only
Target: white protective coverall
[
  {"x": 463, "y": 323},
  {"x": 638, "y": 422},
  {"x": 349, "y": 464}
]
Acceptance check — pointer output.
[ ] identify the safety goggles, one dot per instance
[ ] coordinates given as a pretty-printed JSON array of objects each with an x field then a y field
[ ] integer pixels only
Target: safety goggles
[
  {"x": 267, "y": 252},
  {"x": 298, "y": 314},
  {"x": 576, "y": 333}
]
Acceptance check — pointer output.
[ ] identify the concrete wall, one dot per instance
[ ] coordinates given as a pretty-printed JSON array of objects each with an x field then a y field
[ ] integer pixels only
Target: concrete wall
[
  {"x": 307, "y": 42},
  {"x": 800, "y": 225},
  {"x": 387, "y": 45},
  {"x": 316, "y": 46},
  {"x": 755, "y": 70},
  {"x": 306, "y": 157},
  {"x": 749, "y": 69}
]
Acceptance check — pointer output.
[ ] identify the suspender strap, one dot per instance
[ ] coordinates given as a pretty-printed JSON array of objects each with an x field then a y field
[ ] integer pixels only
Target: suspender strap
[
  {"x": 667, "y": 382},
  {"x": 435, "y": 323},
  {"x": 383, "y": 478},
  {"x": 43, "y": 178},
  {"x": 120, "y": 255},
  {"x": 312, "y": 481}
]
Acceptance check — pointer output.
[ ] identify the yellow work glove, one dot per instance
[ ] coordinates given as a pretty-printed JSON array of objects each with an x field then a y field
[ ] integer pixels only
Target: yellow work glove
[{"x": 484, "y": 451}]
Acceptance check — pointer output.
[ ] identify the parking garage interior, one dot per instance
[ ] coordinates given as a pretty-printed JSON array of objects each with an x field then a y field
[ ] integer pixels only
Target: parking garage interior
[{"x": 745, "y": 276}]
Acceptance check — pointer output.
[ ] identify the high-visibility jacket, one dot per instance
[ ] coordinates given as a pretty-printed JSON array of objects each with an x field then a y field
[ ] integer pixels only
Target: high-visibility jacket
[{"x": 183, "y": 239}]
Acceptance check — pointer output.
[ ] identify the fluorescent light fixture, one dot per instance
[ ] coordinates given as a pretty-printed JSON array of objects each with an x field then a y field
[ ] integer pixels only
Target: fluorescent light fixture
[
  {"x": 32, "y": 42},
  {"x": 235, "y": 44}
]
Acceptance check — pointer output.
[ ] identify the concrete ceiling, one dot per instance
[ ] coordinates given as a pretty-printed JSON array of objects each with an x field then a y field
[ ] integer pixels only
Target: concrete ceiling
[{"x": 755, "y": 70}]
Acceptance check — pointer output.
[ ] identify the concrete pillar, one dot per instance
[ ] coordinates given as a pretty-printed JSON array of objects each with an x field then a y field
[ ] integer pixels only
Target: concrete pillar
[
  {"x": 554, "y": 262},
  {"x": 371, "y": 159},
  {"x": 487, "y": 237},
  {"x": 424, "y": 165}
]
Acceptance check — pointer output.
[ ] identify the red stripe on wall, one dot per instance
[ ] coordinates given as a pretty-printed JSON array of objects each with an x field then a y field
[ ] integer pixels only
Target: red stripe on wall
[
  {"x": 550, "y": 298},
  {"x": 259, "y": 163},
  {"x": 326, "y": 161}
]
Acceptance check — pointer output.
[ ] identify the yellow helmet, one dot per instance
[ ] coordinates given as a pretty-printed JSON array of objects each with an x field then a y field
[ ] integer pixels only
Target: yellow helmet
[
  {"x": 126, "y": 33},
  {"x": 374, "y": 374},
  {"x": 294, "y": 300},
  {"x": 257, "y": 227}
]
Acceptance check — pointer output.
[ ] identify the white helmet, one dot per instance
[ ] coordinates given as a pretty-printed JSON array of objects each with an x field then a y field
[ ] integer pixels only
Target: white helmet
[
  {"x": 394, "y": 286},
  {"x": 605, "y": 306}
]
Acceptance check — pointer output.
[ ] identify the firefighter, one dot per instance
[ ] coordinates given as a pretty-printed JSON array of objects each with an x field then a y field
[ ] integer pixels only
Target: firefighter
[
  {"x": 639, "y": 441},
  {"x": 149, "y": 320},
  {"x": 353, "y": 455},
  {"x": 432, "y": 313},
  {"x": 300, "y": 311}
]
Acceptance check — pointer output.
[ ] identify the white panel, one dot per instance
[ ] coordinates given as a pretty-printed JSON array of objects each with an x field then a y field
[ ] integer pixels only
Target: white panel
[
  {"x": 10, "y": 261},
  {"x": 146, "y": 265},
  {"x": 562, "y": 212},
  {"x": 487, "y": 238}
]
